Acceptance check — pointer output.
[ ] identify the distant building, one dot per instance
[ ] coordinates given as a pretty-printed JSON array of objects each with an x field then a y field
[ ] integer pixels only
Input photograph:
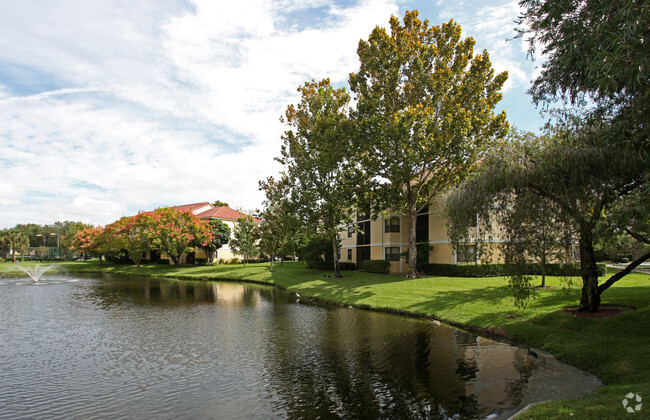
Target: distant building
[{"x": 207, "y": 211}]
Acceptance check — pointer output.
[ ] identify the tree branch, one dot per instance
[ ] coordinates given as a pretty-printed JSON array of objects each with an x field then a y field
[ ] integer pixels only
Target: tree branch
[
  {"x": 638, "y": 236},
  {"x": 627, "y": 270}
]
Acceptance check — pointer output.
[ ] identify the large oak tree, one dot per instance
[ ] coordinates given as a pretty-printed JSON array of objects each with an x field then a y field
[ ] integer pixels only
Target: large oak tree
[{"x": 425, "y": 113}]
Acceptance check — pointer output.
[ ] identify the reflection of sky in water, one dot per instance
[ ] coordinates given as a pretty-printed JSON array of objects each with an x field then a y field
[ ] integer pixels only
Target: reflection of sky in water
[{"x": 145, "y": 347}]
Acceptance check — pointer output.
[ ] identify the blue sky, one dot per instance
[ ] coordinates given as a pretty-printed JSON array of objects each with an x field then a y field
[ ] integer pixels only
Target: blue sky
[{"x": 109, "y": 107}]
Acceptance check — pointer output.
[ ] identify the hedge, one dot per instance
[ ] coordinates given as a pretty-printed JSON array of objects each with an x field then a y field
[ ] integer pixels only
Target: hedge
[
  {"x": 494, "y": 270},
  {"x": 376, "y": 266},
  {"x": 347, "y": 266}
]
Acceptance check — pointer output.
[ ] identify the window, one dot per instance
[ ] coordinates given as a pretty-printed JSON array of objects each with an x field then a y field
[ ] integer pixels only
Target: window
[
  {"x": 363, "y": 234},
  {"x": 391, "y": 225},
  {"x": 349, "y": 254},
  {"x": 466, "y": 253},
  {"x": 392, "y": 253},
  {"x": 350, "y": 229}
]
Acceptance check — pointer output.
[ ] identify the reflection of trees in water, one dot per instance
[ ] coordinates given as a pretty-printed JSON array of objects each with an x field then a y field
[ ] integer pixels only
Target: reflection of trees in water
[
  {"x": 359, "y": 364},
  {"x": 163, "y": 292},
  {"x": 320, "y": 361}
]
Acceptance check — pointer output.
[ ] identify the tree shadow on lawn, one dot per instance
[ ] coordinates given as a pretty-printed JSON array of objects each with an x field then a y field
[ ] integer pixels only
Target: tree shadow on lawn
[{"x": 484, "y": 304}]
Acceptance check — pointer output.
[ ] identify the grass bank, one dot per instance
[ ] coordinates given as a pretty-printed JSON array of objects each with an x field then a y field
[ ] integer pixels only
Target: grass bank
[{"x": 616, "y": 349}]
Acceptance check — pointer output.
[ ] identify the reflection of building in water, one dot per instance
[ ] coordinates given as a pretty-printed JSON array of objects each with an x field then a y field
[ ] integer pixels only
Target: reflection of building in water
[{"x": 228, "y": 292}]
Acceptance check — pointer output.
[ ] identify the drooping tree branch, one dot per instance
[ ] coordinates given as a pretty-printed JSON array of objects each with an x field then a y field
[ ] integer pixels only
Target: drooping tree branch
[{"x": 627, "y": 270}]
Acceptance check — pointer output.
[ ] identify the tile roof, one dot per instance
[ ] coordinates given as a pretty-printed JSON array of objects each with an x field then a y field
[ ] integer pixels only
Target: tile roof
[{"x": 212, "y": 212}]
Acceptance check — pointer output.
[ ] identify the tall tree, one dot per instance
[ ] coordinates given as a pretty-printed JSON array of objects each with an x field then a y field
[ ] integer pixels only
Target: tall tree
[
  {"x": 320, "y": 159},
  {"x": 425, "y": 113},
  {"x": 245, "y": 238},
  {"x": 17, "y": 241},
  {"x": 280, "y": 226},
  {"x": 575, "y": 174}
]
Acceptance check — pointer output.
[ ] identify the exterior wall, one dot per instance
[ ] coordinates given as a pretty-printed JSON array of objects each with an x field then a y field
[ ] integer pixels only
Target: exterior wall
[{"x": 442, "y": 253}]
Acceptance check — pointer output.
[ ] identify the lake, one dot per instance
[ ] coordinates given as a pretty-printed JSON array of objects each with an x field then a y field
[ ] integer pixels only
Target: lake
[{"x": 118, "y": 347}]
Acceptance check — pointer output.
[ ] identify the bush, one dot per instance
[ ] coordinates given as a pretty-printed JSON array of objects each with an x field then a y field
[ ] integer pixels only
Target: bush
[
  {"x": 347, "y": 266},
  {"x": 317, "y": 253},
  {"x": 2, "y": 260},
  {"x": 163, "y": 261},
  {"x": 234, "y": 260},
  {"x": 493, "y": 270},
  {"x": 376, "y": 266},
  {"x": 201, "y": 261}
]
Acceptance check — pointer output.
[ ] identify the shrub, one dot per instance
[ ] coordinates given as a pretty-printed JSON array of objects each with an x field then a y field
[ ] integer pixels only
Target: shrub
[
  {"x": 347, "y": 266},
  {"x": 317, "y": 253},
  {"x": 493, "y": 270},
  {"x": 422, "y": 257},
  {"x": 234, "y": 260},
  {"x": 2, "y": 260},
  {"x": 222, "y": 261},
  {"x": 163, "y": 261},
  {"x": 201, "y": 261},
  {"x": 376, "y": 266}
]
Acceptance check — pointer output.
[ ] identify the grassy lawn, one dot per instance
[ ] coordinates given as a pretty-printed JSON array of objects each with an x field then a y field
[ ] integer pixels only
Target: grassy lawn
[{"x": 616, "y": 349}]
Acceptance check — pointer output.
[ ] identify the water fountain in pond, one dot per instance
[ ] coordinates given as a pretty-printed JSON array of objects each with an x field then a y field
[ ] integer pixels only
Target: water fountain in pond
[{"x": 36, "y": 273}]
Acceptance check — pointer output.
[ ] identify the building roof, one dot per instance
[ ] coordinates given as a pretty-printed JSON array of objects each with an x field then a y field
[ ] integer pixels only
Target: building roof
[{"x": 206, "y": 210}]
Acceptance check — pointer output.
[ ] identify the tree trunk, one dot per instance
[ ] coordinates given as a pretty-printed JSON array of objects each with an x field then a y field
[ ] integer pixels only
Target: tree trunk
[
  {"x": 335, "y": 257},
  {"x": 543, "y": 261},
  {"x": 413, "y": 247},
  {"x": 272, "y": 258},
  {"x": 590, "y": 298}
]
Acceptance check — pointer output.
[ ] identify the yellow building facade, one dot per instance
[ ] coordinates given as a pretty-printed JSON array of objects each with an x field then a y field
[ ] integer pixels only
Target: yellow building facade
[{"x": 387, "y": 236}]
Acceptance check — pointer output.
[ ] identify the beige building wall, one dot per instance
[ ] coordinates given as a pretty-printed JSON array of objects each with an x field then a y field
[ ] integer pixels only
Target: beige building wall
[{"x": 442, "y": 253}]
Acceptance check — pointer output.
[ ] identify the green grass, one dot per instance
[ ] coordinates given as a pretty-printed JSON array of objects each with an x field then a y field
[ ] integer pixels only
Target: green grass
[{"x": 616, "y": 349}]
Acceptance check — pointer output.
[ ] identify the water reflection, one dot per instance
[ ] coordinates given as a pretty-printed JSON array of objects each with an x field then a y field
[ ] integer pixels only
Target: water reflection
[{"x": 173, "y": 349}]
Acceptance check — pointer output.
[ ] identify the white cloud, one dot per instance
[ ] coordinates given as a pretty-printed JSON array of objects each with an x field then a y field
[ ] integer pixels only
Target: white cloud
[{"x": 114, "y": 107}]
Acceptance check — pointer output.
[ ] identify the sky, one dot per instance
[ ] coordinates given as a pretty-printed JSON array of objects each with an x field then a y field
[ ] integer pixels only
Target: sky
[{"x": 109, "y": 107}]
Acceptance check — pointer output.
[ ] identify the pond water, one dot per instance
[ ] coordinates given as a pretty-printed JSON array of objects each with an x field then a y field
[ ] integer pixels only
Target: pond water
[{"x": 74, "y": 347}]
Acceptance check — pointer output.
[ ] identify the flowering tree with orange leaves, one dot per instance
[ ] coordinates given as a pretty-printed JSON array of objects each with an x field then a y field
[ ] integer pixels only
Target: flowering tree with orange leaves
[
  {"x": 133, "y": 233},
  {"x": 176, "y": 232},
  {"x": 87, "y": 241}
]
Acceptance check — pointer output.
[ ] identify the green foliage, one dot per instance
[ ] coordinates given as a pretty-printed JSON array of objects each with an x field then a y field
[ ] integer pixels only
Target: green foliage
[
  {"x": 497, "y": 270},
  {"x": 163, "y": 261},
  {"x": 595, "y": 48},
  {"x": 219, "y": 203},
  {"x": 280, "y": 226},
  {"x": 220, "y": 236},
  {"x": 425, "y": 112},
  {"x": 316, "y": 251},
  {"x": 244, "y": 238},
  {"x": 376, "y": 266},
  {"x": 349, "y": 266},
  {"x": 423, "y": 252},
  {"x": 319, "y": 156},
  {"x": 570, "y": 174}
]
